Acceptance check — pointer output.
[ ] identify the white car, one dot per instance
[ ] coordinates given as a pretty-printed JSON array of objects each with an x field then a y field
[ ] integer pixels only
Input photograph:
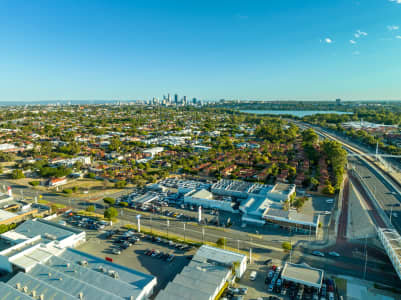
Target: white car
[
  {"x": 329, "y": 201},
  {"x": 253, "y": 275},
  {"x": 333, "y": 253}
]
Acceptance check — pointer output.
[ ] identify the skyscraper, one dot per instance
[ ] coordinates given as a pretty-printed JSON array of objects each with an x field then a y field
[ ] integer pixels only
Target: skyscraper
[{"x": 176, "y": 99}]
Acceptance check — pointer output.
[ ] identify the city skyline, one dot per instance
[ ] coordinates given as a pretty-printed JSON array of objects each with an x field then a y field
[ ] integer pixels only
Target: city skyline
[{"x": 233, "y": 50}]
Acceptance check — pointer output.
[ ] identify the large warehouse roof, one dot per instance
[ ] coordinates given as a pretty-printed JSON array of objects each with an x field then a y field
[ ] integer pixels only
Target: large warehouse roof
[{"x": 46, "y": 229}]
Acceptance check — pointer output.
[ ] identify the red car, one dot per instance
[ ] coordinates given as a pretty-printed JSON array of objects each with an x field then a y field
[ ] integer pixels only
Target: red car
[{"x": 274, "y": 268}]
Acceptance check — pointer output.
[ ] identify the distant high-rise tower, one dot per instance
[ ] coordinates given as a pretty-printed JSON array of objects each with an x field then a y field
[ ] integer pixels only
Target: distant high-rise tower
[
  {"x": 169, "y": 98},
  {"x": 185, "y": 100},
  {"x": 176, "y": 99},
  {"x": 338, "y": 101}
]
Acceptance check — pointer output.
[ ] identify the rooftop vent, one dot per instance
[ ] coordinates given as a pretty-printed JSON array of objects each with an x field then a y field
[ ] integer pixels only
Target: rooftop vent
[
  {"x": 34, "y": 294},
  {"x": 61, "y": 278},
  {"x": 81, "y": 296},
  {"x": 18, "y": 286},
  {"x": 50, "y": 236},
  {"x": 101, "y": 269},
  {"x": 83, "y": 263},
  {"x": 42, "y": 297},
  {"x": 49, "y": 274},
  {"x": 25, "y": 289},
  {"x": 68, "y": 265}
]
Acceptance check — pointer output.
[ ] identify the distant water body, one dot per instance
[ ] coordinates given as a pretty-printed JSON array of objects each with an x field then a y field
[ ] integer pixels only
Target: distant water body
[{"x": 296, "y": 113}]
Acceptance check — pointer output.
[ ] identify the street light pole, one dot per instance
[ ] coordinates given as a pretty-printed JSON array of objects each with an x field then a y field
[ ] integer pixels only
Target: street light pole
[
  {"x": 168, "y": 224},
  {"x": 151, "y": 225},
  {"x": 184, "y": 233},
  {"x": 366, "y": 257}
]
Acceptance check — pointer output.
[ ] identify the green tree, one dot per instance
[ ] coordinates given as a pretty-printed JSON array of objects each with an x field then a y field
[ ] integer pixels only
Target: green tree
[
  {"x": 286, "y": 246},
  {"x": 90, "y": 208},
  {"x": 109, "y": 200},
  {"x": 221, "y": 242},
  {"x": 120, "y": 184},
  {"x": 17, "y": 174},
  {"x": 34, "y": 183},
  {"x": 110, "y": 213}
]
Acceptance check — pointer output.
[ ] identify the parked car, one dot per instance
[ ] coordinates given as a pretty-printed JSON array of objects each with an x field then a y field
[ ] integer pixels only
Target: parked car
[
  {"x": 333, "y": 253},
  {"x": 270, "y": 288},
  {"x": 233, "y": 290},
  {"x": 116, "y": 251},
  {"x": 253, "y": 275},
  {"x": 318, "y": 253},
  {"x": 243, "y": 291}
]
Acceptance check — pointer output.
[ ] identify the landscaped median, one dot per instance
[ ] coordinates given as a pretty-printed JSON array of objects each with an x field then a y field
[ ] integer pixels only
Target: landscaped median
[{"x": 179, "y": 239}]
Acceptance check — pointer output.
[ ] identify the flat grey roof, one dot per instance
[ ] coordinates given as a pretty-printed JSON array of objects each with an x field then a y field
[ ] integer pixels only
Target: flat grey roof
[
  {"x": 70, "y": 283},
  {"x": 218, "y": 255},
  {"x": 48, "y": 291},
  {"x": 5, "y": 215},
  {"x": 96, "y": 278},
  {"x": 32, "y": 228},
  {"x": 8, "y": 292},
  {"x": 206, "y": 272},
  {"x": 304, "y": 274},
  {"x": 133, "y": 277}
]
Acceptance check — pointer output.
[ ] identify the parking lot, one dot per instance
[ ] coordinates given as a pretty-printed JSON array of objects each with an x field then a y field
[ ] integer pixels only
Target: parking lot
[
  {"x": 271, "y": 286},
  {"x": 162, "y": 266}
]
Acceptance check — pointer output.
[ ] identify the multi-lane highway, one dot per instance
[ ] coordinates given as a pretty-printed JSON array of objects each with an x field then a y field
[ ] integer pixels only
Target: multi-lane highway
[
  {"x": 384, "y": 194},
  {"x": 385, "y": 189}
]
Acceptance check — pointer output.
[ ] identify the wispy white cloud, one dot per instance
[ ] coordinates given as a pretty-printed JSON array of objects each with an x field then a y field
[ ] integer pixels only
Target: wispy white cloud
[
  {"x": 360, "y": 33},
  {"x": 396, "y": 1},
  {"x": 352, "y": 42},
  {"x": 393, "y": 27},
  {"x": 328, "y": 40},
  {"x": 356, "y": 53},
  {"x": 398, "y": 37}
]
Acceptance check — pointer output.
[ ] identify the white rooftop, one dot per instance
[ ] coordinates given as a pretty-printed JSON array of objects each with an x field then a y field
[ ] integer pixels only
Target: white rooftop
[
  {"x": 5, "y": 215},
  {"x": 304, "y": 274}
]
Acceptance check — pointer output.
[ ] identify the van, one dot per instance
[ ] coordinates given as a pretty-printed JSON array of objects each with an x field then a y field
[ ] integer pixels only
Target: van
[{"x": 253, "y": 275}]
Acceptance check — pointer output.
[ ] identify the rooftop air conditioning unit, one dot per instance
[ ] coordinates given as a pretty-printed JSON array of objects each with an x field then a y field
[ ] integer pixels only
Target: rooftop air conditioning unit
[
  {"x": 25, "y": 289},
  {"x": 81, "y": 296},
  {"x": 33, "y": 294},
  {"x": 83, "y": 263},
  {"x": 18, "y": 286},
  {"x": 42, "y": 297}
]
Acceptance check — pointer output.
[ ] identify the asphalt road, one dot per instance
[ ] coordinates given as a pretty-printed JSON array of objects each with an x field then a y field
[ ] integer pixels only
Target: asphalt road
[{"x": 383, "y": 193}]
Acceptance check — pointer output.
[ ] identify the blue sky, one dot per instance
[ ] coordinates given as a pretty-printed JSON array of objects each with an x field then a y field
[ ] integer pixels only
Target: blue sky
[{"x": 306, "y": 50}]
